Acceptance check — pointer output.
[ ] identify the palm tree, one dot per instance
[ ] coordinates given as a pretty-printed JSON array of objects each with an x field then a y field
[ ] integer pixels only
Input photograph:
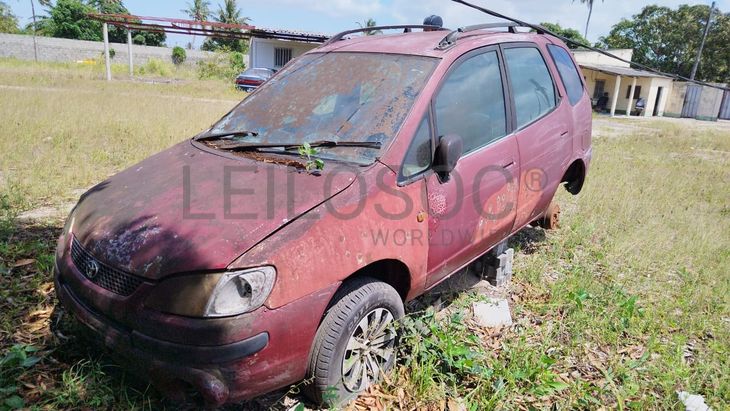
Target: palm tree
[
  {"x": 370, "y": 23},
  {"x": 590, "y": 11},
  {"x": 198, "y": 10},
  {"x": 230, "y": 13}
]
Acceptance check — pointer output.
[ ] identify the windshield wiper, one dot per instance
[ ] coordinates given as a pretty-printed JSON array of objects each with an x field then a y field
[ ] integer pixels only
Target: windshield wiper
[
  {"x": 215, "y": 136},
  {"x": 294, "y": 146}
]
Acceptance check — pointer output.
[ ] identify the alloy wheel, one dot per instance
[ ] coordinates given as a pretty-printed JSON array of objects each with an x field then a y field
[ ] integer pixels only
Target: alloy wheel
[{"x": 370, "y": 350}]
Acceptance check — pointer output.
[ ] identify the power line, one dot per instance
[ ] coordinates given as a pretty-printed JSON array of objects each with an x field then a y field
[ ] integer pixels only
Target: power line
[{"x": 604, "y": 52}]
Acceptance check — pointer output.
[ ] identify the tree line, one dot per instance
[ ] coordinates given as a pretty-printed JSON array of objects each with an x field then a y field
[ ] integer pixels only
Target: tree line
[{"x": 668, "y": 39}]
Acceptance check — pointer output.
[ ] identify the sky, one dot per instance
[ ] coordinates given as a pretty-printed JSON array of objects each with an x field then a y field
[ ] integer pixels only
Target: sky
[{"x": 332, "y": 16}]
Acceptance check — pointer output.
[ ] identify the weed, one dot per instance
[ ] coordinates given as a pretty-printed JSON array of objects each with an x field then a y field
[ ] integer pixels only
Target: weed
[
  {"x": 155, "y": 67},
  {"x": 17, "y": 360},
  {"x": 313, "y": 165}
]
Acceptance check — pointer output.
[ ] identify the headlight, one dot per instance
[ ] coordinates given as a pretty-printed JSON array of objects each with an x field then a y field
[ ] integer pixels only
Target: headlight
[
  {"x": 70, "y": 221},
  {"x": 240, "y": 291},
  {"x": 213, "y": 295}
]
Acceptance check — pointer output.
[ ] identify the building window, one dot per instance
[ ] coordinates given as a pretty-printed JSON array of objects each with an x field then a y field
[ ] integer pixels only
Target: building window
[
  {"x": 281, "y": 56},
  {"x": 637, "y": 92}
]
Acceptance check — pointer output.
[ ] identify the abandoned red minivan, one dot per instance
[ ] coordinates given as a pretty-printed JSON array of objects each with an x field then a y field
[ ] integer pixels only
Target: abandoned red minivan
[{"x": 281, "y": 243}]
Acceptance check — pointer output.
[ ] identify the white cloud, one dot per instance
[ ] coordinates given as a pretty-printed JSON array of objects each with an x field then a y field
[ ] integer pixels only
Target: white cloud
[{"x": 331, "y": 8}]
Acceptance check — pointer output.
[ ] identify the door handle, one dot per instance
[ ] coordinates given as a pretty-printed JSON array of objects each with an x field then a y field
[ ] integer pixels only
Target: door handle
[
  {"x": 508, "y": 163},
  {"x": 563, "y": 134}
]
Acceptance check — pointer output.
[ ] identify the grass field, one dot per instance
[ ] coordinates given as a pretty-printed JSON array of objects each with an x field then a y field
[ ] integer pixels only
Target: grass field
[{"x": 623, "y": 306}]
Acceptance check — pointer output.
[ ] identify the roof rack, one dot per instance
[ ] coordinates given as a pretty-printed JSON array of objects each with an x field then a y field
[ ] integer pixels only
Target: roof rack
[
  {"x": 340, "y": 36},
  {"x": 451, "y": 38}
]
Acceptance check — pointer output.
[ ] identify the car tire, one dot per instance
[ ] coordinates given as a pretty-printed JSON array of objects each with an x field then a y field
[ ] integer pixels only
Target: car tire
[{"x": 355, "y": 343}]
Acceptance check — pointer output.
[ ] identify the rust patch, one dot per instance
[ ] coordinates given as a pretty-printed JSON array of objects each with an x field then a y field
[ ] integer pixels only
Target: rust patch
[
  {"x": 263, "y": 157},
  {"x": 551, "y": 219}
]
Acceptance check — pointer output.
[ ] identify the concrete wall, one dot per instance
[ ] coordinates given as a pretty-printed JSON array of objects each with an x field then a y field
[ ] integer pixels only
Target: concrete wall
[
  {"x": 261, "y": 51},
  {"x": 709, "y": 105},
  {"x": 592, "y": 57},
  {"x": 676, "y": 100},
  {"x": 649, "y": 89},
  {"x": 67, "y": 50}
]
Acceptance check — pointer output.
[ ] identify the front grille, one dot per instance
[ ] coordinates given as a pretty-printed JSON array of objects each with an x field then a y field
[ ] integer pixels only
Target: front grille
[{"x": 106, "y": 277}]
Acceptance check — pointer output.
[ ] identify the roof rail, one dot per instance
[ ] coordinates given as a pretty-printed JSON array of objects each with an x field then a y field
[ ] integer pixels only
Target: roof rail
[
  {"x": 340, "y": 36},
  {"x": 451, "y": 38}
]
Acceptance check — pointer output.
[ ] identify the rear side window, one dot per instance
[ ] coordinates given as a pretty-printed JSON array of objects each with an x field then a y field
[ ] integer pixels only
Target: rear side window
[
  {"x": 568, "y": 73},
  {"x": 532, "y": 86},
  {"x": 471, "y": 102}
]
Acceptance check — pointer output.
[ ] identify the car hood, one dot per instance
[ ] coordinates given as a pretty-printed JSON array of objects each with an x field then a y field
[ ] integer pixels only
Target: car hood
[{"x": 189, "y": 209}]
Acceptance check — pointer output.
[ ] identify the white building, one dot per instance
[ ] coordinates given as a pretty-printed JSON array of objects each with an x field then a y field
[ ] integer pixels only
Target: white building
[
  {"x": 273, "y": 48},
  {"x": 623, "y": 84}
]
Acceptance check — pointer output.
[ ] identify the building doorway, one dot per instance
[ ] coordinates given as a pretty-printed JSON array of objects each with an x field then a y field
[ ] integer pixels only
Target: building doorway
[
  {"x": 725, "y": 107},
  {"x": 659, "y": 92},
  {"x": 598, "y": 90}
]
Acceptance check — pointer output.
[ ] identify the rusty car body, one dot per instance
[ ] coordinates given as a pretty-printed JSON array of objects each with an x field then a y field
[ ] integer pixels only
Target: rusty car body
[{"x": 215, "y": 265}]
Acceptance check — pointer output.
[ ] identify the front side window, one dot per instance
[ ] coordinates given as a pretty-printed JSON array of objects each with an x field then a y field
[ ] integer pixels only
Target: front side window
[
  {"x": 342, "y": 97},
  {"x": 532, "y": 87},
  {"x": 568, "y": 73},
  {"x": 418, "y": 157},
  {"x": 470, "y": 102}
]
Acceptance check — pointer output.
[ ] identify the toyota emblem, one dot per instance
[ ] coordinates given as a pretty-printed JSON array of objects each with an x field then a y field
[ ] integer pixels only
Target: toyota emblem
[{"x": 92, "y": 269}]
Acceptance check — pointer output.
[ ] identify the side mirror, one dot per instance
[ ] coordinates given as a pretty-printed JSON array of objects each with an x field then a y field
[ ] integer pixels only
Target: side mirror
[{"x": 449, "y": 150}]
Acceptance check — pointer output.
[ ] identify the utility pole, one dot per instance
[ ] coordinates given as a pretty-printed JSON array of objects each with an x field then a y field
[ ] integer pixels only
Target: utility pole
[
  {"x": 702, "y": 44},
  {"x": 35, "y": 44},
  {"x": 129, "y": 52},
  {"x": 107, "y": 59}
]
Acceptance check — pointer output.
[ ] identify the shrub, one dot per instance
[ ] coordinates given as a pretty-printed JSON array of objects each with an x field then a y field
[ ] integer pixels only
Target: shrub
[
  {"x": 156, "y": 67},
  {"x": 178, "y": 55},
  {"x": 236, "y": 60},
  {"x": 112, "y": 53},
  {"x": 223, "y": 65}
]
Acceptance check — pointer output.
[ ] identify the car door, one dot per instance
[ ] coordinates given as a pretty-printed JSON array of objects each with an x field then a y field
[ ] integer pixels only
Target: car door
[
  {"x": 543, "y": 128},
  {"x": 475, "y": 206}
]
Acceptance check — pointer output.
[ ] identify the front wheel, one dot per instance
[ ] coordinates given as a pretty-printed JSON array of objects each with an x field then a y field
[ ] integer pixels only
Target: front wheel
[{"x": 356, "y": 342}]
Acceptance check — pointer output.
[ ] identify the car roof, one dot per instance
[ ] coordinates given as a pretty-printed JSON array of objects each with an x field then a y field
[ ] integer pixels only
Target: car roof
[{"x": 426, "y": 43}]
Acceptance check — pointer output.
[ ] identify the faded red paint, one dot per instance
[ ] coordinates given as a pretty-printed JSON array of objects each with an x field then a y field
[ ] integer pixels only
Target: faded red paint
[
  {"x": 316, "y": 230},
  {"x": 135, "y": 220}
]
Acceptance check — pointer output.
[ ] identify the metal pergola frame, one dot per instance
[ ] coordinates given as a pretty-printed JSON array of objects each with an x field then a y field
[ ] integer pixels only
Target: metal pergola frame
[{"x": 189, "y": 27}]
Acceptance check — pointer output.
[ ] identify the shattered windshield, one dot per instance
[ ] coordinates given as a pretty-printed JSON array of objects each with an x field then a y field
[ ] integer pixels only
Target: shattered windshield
[{"x": 341, "y": 97}]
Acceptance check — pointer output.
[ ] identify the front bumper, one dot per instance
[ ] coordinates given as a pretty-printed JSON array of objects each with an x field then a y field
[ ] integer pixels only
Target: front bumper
[
  {"x": 225, "y": 360},
  {"x": 160, "y": 360}
]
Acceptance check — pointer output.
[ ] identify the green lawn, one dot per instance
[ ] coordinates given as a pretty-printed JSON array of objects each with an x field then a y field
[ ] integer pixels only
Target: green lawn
[{"x": 623, "y": 306}]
